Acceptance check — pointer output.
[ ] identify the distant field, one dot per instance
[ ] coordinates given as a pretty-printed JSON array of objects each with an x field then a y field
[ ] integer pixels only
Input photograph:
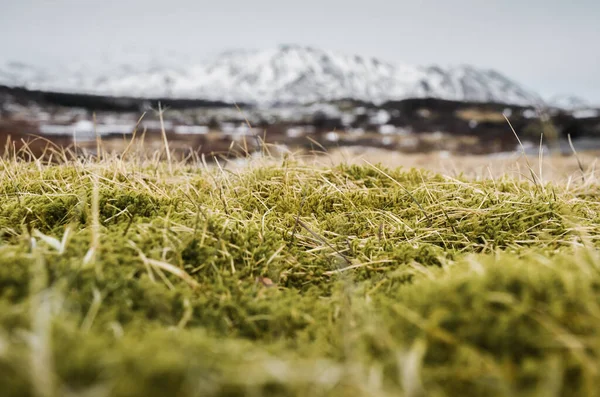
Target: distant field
[
  {"x": 309, "y": 276},
  {"x": 550, "y": 167}
]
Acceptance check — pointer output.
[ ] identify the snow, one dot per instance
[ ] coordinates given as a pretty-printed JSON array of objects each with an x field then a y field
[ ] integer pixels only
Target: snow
[
  {"x": 568, "y": 102},
  {"x": 381, "y": 117},
  {"x": 191, "y": 129},
  {"x": 85, "y": 128},
  {"x": 155, "y": 124},
  {"x": 294, "y": 132},
  {"x": 286, "y": 74},
  {"x": 348, "y": 119},
  {"x": 332, "y": 136},
  {"x": 387, "y": 129},
  {"x": 586, "y": 113}
]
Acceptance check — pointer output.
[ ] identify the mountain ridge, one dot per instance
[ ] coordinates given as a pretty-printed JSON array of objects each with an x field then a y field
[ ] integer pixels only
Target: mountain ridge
[{"x": 284, "y": 74}]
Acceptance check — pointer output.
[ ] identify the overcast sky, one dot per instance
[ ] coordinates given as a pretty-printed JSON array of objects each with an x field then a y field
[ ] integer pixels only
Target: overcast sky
[{"x": 550, "y": 46}]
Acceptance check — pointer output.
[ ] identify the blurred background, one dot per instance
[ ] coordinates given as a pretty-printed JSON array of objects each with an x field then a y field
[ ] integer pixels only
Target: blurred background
[{"x": 229, "y": 76}]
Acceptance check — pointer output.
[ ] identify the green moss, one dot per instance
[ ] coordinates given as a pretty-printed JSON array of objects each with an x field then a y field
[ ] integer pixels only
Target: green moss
[{"x": 481, "y": 288}]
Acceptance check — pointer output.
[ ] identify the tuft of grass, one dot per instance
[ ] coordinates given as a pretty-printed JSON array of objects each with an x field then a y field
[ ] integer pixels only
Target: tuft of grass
[{"x": 294, "y": 279}]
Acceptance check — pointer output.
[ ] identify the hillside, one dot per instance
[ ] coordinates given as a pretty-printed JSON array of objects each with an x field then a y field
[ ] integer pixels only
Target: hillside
[{"x": 286, "y": 74}]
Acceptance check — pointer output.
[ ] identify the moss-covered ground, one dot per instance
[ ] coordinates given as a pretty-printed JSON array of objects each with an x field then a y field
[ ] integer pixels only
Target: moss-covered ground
[{"x": 126, "y": 278}]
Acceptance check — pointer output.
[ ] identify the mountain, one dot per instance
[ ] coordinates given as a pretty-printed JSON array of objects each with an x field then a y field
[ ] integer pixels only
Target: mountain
[
  {"x": 286, "y": 74},
  {"x": 570, "y": 102}
]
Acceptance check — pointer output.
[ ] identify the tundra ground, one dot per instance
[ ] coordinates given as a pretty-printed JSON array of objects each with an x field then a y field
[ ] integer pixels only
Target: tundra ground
[{"x": 128, "y": 276}]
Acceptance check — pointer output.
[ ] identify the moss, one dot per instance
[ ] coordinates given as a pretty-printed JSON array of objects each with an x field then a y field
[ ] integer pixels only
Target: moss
[{"x": 371, "y": 272}]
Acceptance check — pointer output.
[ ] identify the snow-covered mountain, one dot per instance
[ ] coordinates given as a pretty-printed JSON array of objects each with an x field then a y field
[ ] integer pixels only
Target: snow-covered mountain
[
  {"x": 570, "y": 102},
  {"x": 286, "y": 74}
]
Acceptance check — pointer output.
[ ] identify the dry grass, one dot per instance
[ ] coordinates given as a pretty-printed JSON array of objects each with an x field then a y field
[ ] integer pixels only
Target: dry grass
[
  {"x": 554, "y": 168},
  {"x": 480, "y": 115}
]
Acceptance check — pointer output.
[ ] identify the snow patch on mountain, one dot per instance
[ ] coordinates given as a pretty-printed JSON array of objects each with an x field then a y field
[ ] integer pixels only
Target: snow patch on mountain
[
  {"x": 569, "y": 102},
  {"x": 286, "y": 74}
]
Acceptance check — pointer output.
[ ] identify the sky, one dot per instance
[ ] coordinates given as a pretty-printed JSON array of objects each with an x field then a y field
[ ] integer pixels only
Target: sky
[{"x": 549, "y": 46}]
